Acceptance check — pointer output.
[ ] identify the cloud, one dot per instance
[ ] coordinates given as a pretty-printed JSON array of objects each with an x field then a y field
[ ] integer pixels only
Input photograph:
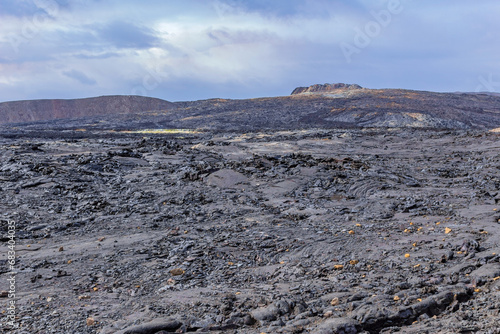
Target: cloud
[
  {"x": 127, "y": 35},
  {"x": 239, "y": 48},
  {"x": 80, "y": 77},
  {"x": 105, "y": 55}
]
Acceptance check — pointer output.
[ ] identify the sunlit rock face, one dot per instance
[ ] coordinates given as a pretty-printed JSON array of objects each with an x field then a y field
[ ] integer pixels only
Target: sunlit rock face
[{"x": 325, "y": 88}]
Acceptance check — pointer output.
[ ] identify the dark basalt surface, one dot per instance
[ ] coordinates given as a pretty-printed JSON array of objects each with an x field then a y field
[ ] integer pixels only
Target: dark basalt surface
[
  {"x": 329, "y": 106},
  {"x": 303, "y": 231}
]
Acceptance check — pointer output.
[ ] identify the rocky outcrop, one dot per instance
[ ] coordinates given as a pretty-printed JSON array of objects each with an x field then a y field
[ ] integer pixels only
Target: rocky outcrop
[
  {"x": 326, "y": 88},
  {"x": 44, "y": 110}
]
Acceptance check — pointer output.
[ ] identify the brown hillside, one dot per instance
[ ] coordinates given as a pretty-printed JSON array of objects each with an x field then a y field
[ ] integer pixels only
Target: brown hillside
[{"x": 43, "y": 110}]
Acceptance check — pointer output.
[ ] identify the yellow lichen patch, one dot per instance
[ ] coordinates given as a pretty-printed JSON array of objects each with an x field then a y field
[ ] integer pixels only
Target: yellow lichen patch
[
  {"x": 447, "y": 230},
  {"x": 407, "y": 255},
  {"x": 396, "y": 298},
  {"x": 351, "y": 232},
  {"x": 338, "y": 267},
  {"x": 177, "y": 272},
  {"x": 353, "y": 262}
]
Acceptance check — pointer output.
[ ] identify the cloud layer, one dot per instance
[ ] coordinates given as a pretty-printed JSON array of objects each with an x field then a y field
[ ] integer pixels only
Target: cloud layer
[{"x": 239, "y": 49}]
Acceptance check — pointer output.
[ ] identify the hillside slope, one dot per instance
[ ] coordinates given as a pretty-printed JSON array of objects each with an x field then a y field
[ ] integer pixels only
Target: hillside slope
[
  {"x": 43, "y": 110},
  {"x": 317, "y": 106}
]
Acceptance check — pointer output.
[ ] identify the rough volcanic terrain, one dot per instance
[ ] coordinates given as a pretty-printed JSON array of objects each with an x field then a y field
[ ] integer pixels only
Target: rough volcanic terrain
[
  {"x": 302, "y": 231},
  {"x": 319, "y": 106}
]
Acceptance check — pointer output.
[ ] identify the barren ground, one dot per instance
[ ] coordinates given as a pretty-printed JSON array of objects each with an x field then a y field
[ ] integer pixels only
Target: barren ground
[{"x": 315, "y": 231}]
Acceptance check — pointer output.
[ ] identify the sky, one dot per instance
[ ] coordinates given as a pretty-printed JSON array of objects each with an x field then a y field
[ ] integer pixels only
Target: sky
[{"x": 198, "y": 49}]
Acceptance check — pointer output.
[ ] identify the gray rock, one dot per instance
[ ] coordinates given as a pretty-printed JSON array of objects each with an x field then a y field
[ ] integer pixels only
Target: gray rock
[
  {"x": 434, "y": 305},
  {"x": 357, "y": 296},
  {"x": 153, "y": 327},
  {"x": 299, "y": 323},
  {"x": 283, "y": 306},
  {"x": 204, "y": 323},
  {"x": 371, "y": 315},
  {"x": 489, "y": 270},
  {"x": 265, "y": 314},
  {"x": 338, "y": 326},
  {"x": 227, "y": 178}
]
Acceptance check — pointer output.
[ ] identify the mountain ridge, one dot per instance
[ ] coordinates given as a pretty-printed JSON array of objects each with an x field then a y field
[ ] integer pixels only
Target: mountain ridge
[
  {"x": 50, "y": 109},
  {"x": 317, "y": 106}
]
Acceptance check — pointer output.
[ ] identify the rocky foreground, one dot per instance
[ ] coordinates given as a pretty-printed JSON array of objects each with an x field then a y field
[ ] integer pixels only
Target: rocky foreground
[{"x": 314, "y": 231}]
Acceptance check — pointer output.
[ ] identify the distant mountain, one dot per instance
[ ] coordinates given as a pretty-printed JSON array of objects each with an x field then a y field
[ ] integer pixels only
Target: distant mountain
[
  {"x": 361, "y": 107},
  {"x": 318, "y": 106},
  {"x": 43, "y": 110}
]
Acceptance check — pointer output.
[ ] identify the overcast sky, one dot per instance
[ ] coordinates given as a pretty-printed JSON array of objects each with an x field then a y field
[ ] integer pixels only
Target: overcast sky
[{"x": 197, "y": 49}]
